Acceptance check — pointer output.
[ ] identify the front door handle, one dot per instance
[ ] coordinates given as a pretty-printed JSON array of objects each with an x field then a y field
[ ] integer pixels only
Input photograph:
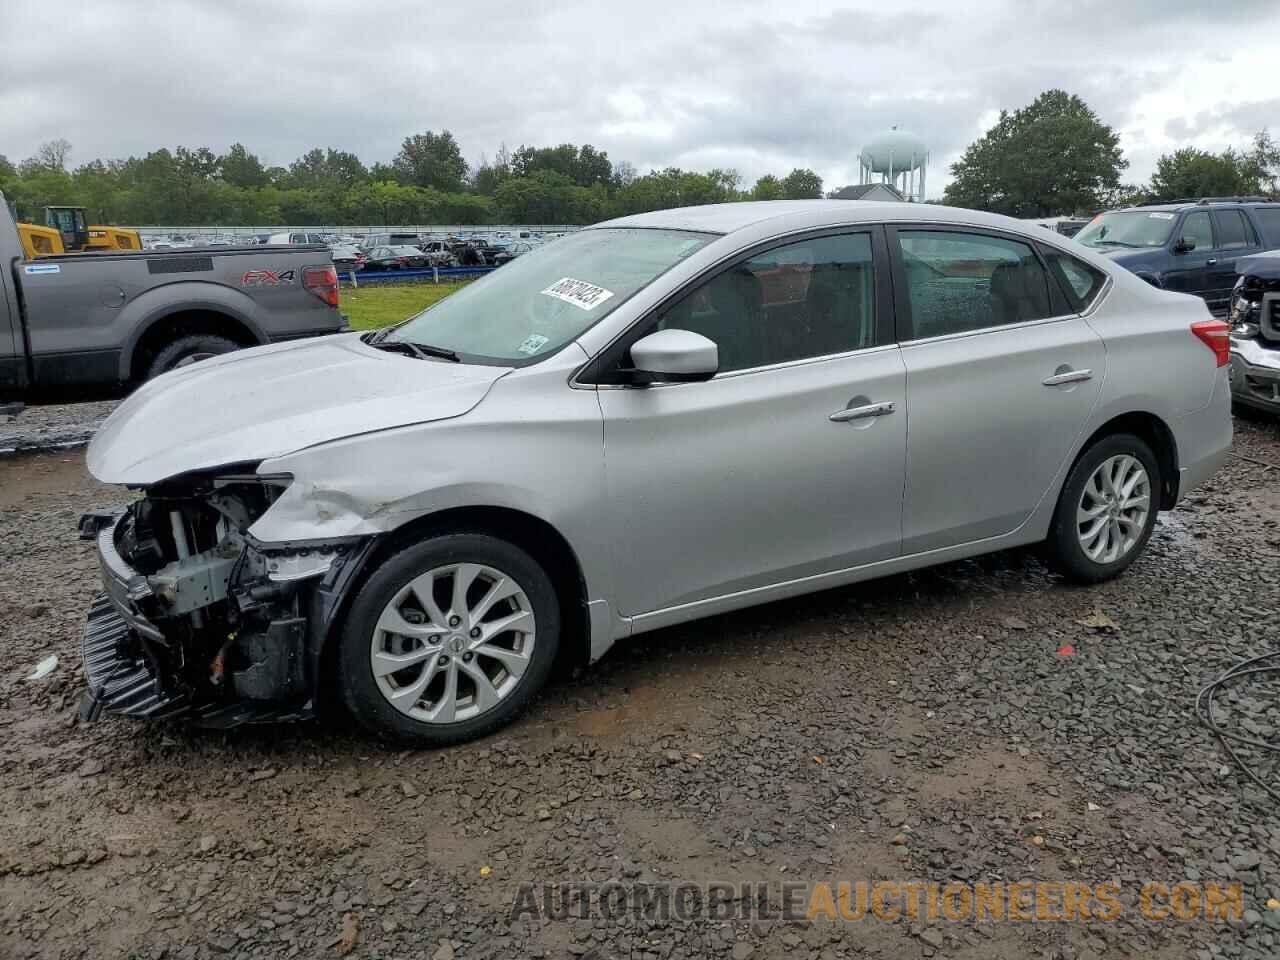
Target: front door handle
[
  {"x": 863, "y": 412},
  {"x": 1211, "y": 261},
  {"x": 1070, "y": 376}
]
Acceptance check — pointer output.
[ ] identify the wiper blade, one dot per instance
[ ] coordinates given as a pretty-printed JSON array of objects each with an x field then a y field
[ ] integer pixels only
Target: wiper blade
[
  {"x": 423, "y": 351},
  {"x": 444, "y": 353}
]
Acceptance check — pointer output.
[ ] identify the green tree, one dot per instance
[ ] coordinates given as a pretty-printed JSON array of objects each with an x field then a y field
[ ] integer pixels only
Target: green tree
[
  {"x": 1264, "y": 155},
  {"x": 431, "y": 160},
  {"x": 768, "y": 187},
  {"x": 1049, "y": 158},
  {"x": 1196, "y": 173},
  {"x": 240, "y": 168},
  {"x": 802, "y": 184}
]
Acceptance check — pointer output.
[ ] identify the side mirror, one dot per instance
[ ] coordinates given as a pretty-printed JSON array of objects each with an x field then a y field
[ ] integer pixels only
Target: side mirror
[
  {"x": 674, "y": 356},
  {"x": 1184, "y": 245}
]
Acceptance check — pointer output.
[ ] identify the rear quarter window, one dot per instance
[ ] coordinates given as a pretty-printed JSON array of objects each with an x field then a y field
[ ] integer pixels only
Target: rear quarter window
[
  {"x": 1080, "y": 282},
  {"x": 1268, "y": 218}
]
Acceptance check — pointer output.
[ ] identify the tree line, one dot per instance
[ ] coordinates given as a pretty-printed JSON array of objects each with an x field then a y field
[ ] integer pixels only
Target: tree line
[
  {"x": 1054, "y": 156},
  {"x": 428, "y": 181}
]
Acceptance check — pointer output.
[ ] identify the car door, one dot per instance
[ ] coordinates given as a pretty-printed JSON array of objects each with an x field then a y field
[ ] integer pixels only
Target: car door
[
  {"x": 1235, "y": 238},
  {"x": 1001, "y": 379},
  {"x": 788, "y": 463},
  {"x": 1189, "y": 269}
]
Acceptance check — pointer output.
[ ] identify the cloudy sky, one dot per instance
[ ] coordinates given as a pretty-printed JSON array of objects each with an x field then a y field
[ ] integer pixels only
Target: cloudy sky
[{"x": 759, "y": 87}]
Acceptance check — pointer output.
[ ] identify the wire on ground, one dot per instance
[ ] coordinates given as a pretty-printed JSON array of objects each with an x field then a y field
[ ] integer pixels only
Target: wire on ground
[{"x": 1205, "y": 705}]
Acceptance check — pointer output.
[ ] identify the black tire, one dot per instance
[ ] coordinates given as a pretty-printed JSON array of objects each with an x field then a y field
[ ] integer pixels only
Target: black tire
[
  {"x": 190, "y": 349},
  {"x": 356, "y": 683},
  {"x": 1062, "y": 549}
]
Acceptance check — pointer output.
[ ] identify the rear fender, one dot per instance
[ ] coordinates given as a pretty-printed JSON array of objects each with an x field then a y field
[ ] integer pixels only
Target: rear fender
[{"x": 145, "y": 311}]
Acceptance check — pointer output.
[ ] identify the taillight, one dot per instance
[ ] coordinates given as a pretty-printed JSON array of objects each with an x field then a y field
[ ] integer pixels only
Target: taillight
[
  {"x": 1216, "y": 335},
  {"x": 323, "y": 282}
]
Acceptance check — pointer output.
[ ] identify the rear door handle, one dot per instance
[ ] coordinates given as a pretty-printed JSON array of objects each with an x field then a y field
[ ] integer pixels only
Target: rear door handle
[
  {"x": 863, "y": 412},
  {"x": 1211, "y": 261},
  {"x": 1071, "y": 376}
]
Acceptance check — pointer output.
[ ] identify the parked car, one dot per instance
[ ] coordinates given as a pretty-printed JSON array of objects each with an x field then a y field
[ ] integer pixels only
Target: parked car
[
  {"x": 507, "y": 254},
  {"x": 1187, "y": 246},
  {"x": 655, "y": 419},
  {"x": 384, "y": 258},
  {"x": 1255, "y": 333},
  {"x": 72, "y": 325},
  {"x": 296, "y": 237},
  {"x": 347, "y": 259},
  {"x": 437, "y": 253}
]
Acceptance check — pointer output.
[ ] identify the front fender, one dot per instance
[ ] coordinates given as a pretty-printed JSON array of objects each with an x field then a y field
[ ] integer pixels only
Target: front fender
[{"x": 145, "y": 311}]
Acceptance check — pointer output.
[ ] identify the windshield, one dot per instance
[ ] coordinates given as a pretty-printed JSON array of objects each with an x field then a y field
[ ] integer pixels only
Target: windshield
[
  {"x": 539, "y": 302},
  {"x": 1128, "y": 228}
]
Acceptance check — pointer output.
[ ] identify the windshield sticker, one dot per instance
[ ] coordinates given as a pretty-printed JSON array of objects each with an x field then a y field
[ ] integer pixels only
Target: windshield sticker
[
  {"x": 585, "y": 296},
  {"x": 536, "y": 341},
  {"x": 34, "y": 268},
  {"x": 1160, "y": 216}
]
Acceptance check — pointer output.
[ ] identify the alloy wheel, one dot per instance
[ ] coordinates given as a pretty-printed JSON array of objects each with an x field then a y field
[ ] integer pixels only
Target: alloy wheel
[
  {"x": 452, "y": 643},
  {"x": 1113, "y": 509}
]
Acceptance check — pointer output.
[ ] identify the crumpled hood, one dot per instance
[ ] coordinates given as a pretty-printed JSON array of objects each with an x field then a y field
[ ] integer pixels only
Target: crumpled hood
[
  {"x": 269, "y": 401},
  {"x": 1263, "y": 266}
]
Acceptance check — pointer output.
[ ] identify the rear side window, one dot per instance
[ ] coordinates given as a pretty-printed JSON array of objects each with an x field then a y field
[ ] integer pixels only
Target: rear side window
[
  {"x": 958, "y": 282},
  {"x": 1080, "y": 282},
  {"x": 1269, "y": 220},
  {"x": 1233, "y": 230}
]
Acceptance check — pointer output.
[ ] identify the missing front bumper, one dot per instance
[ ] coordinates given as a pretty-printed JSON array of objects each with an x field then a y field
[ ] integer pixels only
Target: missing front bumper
[{"x": 122, "y": 682}]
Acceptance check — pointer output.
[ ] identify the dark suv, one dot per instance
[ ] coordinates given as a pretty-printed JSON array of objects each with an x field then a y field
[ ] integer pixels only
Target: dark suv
[{"x": 1188, "y": 245}]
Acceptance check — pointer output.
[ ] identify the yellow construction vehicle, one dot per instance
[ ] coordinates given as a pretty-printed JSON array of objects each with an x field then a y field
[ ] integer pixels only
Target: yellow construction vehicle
[
  {"x": 67, "y": 232},
  {"x": 39, "y": 241}
]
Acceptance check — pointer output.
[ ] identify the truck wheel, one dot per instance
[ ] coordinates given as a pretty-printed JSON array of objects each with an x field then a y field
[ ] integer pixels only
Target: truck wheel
[
  {"x": 448, "y": 640},
  {"x": 188, "y": 350}
]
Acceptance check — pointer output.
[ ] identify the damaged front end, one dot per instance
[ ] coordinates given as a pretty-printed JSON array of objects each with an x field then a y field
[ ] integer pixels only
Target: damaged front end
[
  {"x": 1255, "y": 334},
  {"x": 199, "y": 619}
]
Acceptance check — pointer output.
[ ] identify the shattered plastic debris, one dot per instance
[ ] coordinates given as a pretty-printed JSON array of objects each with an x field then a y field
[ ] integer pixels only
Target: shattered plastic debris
[
  {"x": 44, "y": 668},
  {"x": 1066, "y": 650}
]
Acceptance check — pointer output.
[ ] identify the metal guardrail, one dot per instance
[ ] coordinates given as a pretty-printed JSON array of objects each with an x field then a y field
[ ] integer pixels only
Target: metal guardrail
[{"x": 435, "y": 274}]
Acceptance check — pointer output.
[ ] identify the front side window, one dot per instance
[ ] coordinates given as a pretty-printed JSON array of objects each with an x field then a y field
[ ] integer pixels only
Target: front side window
[
  {"x": 958, "y": 282},
  {"x": 807, "y": 299},
  {"x": 539, "y": 302},
  {"x": 1196, "y": 229}
]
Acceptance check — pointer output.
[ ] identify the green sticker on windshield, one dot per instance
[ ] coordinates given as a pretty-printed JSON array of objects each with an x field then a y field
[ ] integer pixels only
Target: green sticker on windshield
[{"x": 532, "y": 344}]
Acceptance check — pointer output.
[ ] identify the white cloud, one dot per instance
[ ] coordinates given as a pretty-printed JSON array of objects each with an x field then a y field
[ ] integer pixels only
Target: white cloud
[{"x": 760, "y": 87}]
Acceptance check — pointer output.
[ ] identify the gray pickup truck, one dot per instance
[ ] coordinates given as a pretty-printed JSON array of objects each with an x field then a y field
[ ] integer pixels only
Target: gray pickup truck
[{"x": 101, "y": 323}]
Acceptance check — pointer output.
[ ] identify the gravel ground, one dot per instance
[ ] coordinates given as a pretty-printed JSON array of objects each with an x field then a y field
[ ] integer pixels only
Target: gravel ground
[
  {"x": 977, "y": 722},
  {"x": 53, "y": 426}
]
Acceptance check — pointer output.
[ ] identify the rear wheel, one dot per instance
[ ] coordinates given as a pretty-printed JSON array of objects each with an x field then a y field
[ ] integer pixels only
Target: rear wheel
[
  {"x": 448, "y": 640},
  {"x": 189, "y": 350},
  {"x": 1106, "y": 511}
]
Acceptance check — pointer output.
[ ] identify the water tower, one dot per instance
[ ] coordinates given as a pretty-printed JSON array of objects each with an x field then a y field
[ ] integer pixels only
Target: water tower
[{"x": 898, "y": 158}]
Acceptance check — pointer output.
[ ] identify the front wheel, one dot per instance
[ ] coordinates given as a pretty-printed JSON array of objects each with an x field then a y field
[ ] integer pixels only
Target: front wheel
[
  {"x": 448, "y": 640},
  {"x": 1106, "y": 511}
]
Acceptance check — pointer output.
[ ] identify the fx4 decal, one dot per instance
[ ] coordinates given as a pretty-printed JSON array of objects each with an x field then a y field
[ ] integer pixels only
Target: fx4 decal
[{"x": 266, "y": 278}]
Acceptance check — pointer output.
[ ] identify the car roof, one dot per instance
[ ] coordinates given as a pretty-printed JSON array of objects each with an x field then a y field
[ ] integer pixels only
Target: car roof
[{"x": 727, "y": 218}]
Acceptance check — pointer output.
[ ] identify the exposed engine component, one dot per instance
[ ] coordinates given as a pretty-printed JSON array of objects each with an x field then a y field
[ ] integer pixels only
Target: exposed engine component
[{"x": 216, "y": 617}]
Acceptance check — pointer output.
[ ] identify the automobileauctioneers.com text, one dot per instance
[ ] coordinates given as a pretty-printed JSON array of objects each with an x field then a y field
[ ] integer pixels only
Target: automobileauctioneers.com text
[{"x": 1028, "y": 900}]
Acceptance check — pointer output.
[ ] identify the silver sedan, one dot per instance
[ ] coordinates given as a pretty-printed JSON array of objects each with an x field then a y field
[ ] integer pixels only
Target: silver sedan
[{"x": 652, "y": 420}]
